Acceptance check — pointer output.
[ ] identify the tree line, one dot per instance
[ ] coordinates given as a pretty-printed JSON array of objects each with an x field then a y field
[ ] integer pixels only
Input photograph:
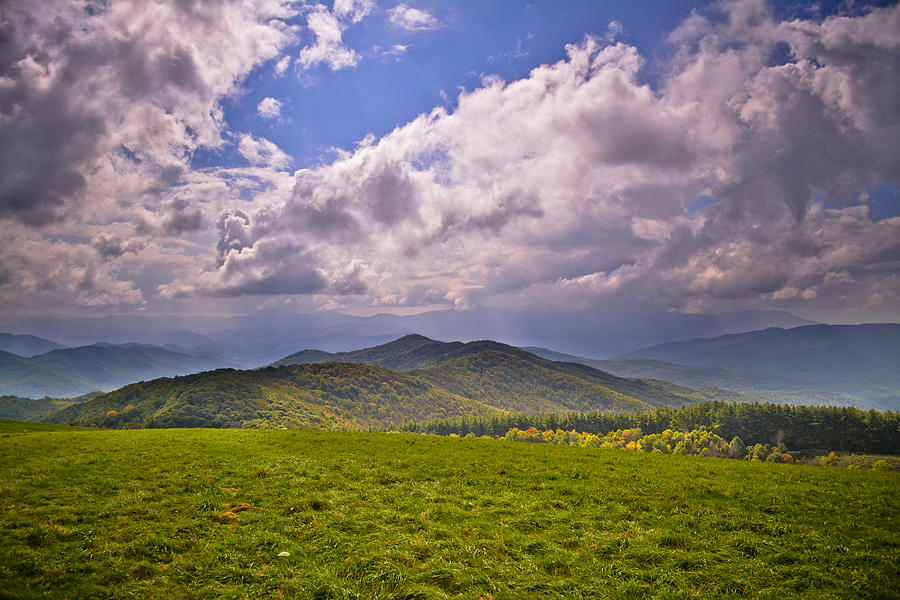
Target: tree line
[
  {"x": 700, "y": 442},
  {"x": 798, "y": 427}
]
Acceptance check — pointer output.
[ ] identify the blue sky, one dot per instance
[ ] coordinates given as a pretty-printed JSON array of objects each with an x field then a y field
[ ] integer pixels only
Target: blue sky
[
  {"x": 323, "y": 108},
  {"x": 385, "y": 156}
]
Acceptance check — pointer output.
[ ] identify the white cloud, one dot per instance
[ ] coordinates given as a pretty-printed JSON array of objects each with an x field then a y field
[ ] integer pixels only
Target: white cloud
[
  {"x": 354, "y": 10},
  {"x": 262, "y": 152},
  {"x": 269, "y": 108},
  {"x": 328, "y": 27},
  {"x": 412, "y": 19},
  {"x": 282, "y": 65}
]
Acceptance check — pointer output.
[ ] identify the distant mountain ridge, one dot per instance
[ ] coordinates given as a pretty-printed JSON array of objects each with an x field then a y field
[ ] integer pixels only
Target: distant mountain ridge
[
  {"x": 859, "y": 360},
  {"x": 71, "y": 372},
  {"x": 26, "y": 345}
]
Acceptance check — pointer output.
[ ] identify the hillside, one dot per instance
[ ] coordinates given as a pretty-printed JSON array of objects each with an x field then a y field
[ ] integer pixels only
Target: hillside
[
  {"x": 75, "y": 371},
  {"x": 26, "y": 345},
  {"x": 35, "y": 409},
  {"x": 507, "y": 381},
  {"x": 321, "y": 396},
  {"x": 413, "y": 352}
]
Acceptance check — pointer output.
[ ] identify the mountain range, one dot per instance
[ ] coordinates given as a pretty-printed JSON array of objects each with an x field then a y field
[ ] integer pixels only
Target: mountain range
[
  {"x": 412, "y": 378},
  {"x": 819, "y": 364}
]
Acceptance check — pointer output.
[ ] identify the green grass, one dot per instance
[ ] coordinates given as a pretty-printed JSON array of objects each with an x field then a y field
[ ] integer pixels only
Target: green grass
[
  {"x": 157, "y": 514},
  {"x": 11, "y": 426}
]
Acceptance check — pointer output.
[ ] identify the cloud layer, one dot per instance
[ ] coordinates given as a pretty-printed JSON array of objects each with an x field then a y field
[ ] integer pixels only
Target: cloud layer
[{"x": 733, "y": 182}]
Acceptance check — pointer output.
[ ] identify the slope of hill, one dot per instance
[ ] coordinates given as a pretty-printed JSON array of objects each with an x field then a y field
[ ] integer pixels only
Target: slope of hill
[
  {"x": 321, "y": 396},
  {"x": 34, "y": 409},
  {"x": 26, "y": 345},
  {"x": 76, "y": 371},
  {"x": 507, "y": 381}
]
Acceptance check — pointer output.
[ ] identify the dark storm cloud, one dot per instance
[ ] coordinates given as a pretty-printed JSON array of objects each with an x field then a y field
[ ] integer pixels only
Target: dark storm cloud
[
  {"x": 113, "y": 246},
  {"x": 182, "y": 218}
]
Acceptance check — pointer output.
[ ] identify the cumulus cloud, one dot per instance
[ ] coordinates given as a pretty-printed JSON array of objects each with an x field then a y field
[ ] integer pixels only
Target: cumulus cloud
[
  {"x": 97, "y": 104},
  {"x": 578, "y": 184},
  {"x": 327, "y": 26},
  {"x": 412, "y": 19},
  {"x": 101, "y": 108},
  {"x": 260, "y": 151},
  {"x": 354, "y": 10},
  {"x": 269, "y": 108}
]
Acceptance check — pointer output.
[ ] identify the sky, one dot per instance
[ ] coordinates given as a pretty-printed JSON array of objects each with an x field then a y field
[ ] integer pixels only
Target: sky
[{"x": 225, "y": 158}]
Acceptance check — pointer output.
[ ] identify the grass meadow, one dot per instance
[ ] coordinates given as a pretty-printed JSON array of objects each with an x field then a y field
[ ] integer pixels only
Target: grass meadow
[{"x": 206, "y": 513}]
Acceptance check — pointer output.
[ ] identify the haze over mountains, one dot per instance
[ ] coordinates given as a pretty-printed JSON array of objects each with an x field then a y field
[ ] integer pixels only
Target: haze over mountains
[
  {"x": 26, "y": 345},
  {"x": 258, "y": 339},
  {"x": 851, "y": 365}
]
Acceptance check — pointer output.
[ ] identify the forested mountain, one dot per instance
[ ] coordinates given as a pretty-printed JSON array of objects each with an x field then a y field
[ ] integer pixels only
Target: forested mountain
[
  {"x": 830, "y": 352},
  {"x": 403, "y": 354},
  {"x": 501, "y": 379},
  {"x": 322, "y": 396},
  {"x": 76, "y": 371},
  {"x": 20, "y": 376},
  {"x": 409, "y": 379},
  {"x": 460, "y": 366},
  {"x": 737, "y": 379},
  {"x": 26, "y": 345}
]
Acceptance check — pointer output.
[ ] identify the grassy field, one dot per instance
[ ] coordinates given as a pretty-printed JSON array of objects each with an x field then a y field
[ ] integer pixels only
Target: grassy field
[
  {"x": 11, "y": 426},
  {"x": 206, "y": 513}
]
